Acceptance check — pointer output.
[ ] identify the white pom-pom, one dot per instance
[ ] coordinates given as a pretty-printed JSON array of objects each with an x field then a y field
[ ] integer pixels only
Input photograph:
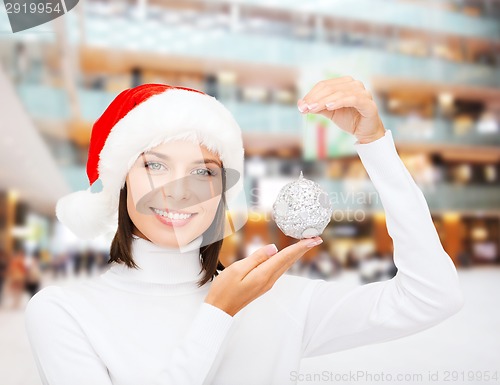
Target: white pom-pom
[{"x": 88, "y": 215}]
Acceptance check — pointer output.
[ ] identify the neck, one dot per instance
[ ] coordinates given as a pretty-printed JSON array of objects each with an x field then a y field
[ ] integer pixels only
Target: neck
[
  {"x": 162, "y": 269},
  {"x": 161, "y": 264}
]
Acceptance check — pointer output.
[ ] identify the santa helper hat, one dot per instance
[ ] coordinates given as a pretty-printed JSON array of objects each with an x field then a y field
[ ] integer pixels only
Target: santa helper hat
[{"x": 137, "y": 120}]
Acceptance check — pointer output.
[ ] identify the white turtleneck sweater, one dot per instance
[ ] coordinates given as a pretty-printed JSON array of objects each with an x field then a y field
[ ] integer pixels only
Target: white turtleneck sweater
[{"x": 152, "y": 326}]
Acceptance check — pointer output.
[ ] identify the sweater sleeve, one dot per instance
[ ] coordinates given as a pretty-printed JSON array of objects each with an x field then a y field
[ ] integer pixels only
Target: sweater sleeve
[
  {"x": 425, "y": 290},
  {"x": 64, "y": 355}
]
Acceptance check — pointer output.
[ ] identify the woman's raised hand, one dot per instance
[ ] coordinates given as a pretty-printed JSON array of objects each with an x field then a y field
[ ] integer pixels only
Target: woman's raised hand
[
  {"x": 347, "y": 103},
  {"x": 247, "y": 279}
]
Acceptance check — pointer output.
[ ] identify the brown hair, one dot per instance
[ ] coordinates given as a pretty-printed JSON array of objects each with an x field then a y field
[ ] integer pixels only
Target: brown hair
[{"x": 121, "y": 246}]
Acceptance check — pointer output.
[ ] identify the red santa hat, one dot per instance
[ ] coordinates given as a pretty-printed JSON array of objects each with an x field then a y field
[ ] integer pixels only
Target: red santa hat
[{"x": 137, "y": 120}]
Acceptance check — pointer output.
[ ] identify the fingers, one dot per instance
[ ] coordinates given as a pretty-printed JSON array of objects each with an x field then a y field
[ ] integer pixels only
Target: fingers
[
  {"x": 359, "y": 100},
  {"x": 332, "y": 90},
  {"x": 252, "y": 261},
  {"x": 342, "y": 94},
  {"x": 280, "y": 262},
  {"x": 324, "y": 88}
]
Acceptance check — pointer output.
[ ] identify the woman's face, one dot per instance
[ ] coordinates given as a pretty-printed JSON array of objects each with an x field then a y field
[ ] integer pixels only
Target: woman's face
[{"x": 173, "y": 191}]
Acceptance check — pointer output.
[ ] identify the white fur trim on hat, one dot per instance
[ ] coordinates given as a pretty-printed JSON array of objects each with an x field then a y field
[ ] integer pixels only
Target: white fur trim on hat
[{"x": 88, "y": 214}]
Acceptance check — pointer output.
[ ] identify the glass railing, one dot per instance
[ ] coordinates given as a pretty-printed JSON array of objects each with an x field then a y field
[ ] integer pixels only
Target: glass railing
[
  {"x": 44, "y": 102},
  {"x": 438, "y": 131},
  {"x": 389, "y": 13},
  {"x": 76, "y": 177},
  {"x": 355, "y": 195},
  {"x": 121, "y": 33},
  {"x": 240, "y": 47},
  {"x": 417, "y": 15},
  {"x": 266, "y": 118},
  {"x": 463, "y": 197}
]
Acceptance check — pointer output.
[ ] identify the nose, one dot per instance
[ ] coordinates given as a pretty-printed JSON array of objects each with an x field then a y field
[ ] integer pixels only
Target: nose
[{"x": 176, "y": 189}]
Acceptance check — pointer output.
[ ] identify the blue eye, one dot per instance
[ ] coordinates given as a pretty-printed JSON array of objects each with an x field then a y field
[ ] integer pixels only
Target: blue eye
[
  {"x": 204, "y": 172},
  {"x": 155, "y": 166}
]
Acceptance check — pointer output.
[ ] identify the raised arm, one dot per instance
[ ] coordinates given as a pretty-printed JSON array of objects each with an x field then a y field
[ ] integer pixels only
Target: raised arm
[
  {"x": 63, "y": 354},
  {"x": 424, "y": 291}
]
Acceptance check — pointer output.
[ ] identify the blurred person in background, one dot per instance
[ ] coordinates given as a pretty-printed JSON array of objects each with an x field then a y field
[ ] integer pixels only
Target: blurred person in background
[
  {"x": 389, "y": 269},
  {"x": 16, "y": 279},
  {"x": 439, "y": 168},
  {"x": 170, "y": 163},
  {"x": 77, "y": 259},
  {"x": 377, "y": 267},
  {"x": 369, "y": 268},
  {"x": 3, "y": 272},
  {"x": 22, "y": 63},
  {"x": 351, "y": 259},
  {"x": 59, "y": 265},
  {"x": 464, "y": 255},
  {"x": 101, "y": 260},
  {"x": 90, "y": 263},
  {"x": 320, "y": 266},
  {"x": 33, "y": 273}
]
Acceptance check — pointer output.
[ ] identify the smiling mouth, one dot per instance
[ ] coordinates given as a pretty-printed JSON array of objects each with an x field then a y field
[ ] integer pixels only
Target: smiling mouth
[{"x": 172, "y": 214}]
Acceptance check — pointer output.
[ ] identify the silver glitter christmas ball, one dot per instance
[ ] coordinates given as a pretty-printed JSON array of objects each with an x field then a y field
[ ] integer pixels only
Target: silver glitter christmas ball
[{"x": 302, "y": 209}]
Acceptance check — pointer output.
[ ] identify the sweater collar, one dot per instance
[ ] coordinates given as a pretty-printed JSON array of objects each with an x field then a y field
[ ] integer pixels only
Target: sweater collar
[
  {"x": 161, "y": 269},
  {"x": 160, "y": 264}
]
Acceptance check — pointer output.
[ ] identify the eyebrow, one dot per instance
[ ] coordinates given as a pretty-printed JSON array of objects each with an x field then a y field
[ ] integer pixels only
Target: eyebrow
[{"x": 166, "y": 157}]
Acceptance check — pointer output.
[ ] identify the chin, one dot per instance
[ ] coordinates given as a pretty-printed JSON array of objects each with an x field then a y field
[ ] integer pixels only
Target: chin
[
  {"x": 170, "y": 239},
  {"x": 168, "y": 236},
  {"x": 173, "y": 244}
]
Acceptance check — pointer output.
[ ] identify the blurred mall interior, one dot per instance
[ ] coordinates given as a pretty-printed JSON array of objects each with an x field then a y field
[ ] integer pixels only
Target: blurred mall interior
[{"x": 433, "y": 68}]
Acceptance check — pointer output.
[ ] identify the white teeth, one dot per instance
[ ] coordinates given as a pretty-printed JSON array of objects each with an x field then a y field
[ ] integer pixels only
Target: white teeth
[{"x": 174, "y": 216}]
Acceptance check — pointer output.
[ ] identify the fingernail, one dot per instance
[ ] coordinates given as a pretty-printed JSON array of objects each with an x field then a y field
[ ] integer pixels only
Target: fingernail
[
  {"x": 315, "y": 243},
  {"x": 312, "y": 106},
  {"x": 330, "y": 105},
  {"x": 302, "y": 107},
  {"x": 270, "y": 249}
]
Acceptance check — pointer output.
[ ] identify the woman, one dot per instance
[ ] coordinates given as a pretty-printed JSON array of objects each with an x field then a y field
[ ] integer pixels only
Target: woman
[{"x": 161, "y": 155}]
